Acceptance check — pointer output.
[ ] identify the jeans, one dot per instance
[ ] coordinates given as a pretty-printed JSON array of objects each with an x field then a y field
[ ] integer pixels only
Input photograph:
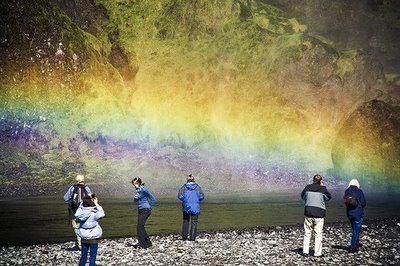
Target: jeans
[
  {"x": 86, "y": 246},
  {"x": 356, "y": 224},
  {"x": 143, "y": 237},
  {"x": 187, "y": 217},
  {"x": 310, "y": 224}
]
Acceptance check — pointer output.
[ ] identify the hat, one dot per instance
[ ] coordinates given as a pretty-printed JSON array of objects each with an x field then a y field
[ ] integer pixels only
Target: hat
[{"x": 80, "y": 178}]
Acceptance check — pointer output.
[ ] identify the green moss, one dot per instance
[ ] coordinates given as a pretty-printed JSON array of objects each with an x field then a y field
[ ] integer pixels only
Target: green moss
[
  {"x": 393, "y": 78},
  {"x": 323, "y": 40},
  {"x": 297, "y": 27},
  {"x": 346, "y": 63}
]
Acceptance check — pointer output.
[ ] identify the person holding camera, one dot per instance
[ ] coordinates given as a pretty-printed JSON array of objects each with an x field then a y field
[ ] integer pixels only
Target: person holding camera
[
  {"x": 314, "y": 195},
  {"x": 145, "y": 201},
  {"x": 89, "y": 213},
  {"x": 191, "y": 196}
]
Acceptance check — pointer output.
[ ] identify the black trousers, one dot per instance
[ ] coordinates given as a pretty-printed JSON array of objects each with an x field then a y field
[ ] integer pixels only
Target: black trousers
[
  {"x": 143, "y": 237},
  {"x": 192, "y": 219}
]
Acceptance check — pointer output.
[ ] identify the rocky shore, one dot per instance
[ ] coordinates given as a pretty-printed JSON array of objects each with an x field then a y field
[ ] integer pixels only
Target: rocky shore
[{"x": 280, "y": 245}]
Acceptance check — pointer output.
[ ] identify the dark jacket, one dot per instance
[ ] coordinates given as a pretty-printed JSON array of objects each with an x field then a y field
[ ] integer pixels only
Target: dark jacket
[
  {"x": 358, "y": 211},
  {"x": 73, "y": 202},
  {"x": 315, "y": 196},
  {"x": 191, "y": 195}
]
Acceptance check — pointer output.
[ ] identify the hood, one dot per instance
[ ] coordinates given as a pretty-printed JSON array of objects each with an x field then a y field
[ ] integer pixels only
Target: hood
[
  {"x": 314, "y": 187},
  {"x": 191, "y": 185},
  {"x": 86, "y": 211},
  {"x": 352, "y": 189}
]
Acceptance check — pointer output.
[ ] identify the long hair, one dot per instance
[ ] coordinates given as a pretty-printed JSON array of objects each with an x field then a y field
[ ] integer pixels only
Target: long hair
[{"x": 354, "y": 182}]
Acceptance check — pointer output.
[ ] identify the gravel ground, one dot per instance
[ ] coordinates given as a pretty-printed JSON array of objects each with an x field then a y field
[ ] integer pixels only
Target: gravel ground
[{"x": 279, "y": 245}]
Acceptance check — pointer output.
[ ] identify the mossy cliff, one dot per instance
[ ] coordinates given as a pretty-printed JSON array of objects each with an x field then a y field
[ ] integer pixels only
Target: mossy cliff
[{"x": 115, "y": 88}]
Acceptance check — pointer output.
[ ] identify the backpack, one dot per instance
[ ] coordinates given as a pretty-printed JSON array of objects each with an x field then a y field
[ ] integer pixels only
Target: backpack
[
  {"x": 78, "y": 194},
  {"x": 350, "y": 200}
]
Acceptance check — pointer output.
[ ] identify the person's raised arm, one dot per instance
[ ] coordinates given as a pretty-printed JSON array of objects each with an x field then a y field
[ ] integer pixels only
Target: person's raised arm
[
  {"x": 327, "y": 194},
  {"x": 100, "y": 212},
  {"x": 89, "y": 192}
]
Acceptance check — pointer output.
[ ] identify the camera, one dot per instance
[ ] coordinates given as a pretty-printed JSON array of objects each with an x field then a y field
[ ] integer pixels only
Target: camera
[{"x": 93, "y": 196}]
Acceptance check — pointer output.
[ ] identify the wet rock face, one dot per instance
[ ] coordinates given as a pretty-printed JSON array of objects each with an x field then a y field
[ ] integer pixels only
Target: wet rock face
[
  {"x": 331, "y": 84},
  {"x": 47, "y": 39},
  {"x": 376, "y": 36},
  {"x": 84, "y": 13},
  {"x": 368, "y": 145},
  {"x": 89, "y": 16},
  {"x": 27, "y": 38}
]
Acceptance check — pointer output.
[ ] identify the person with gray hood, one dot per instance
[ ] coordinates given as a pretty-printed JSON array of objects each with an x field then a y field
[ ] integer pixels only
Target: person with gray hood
[
  {"x": 355, "y": 213},
  {"x": 314, "y": 196},
  {"x": 191, "y": 196},
  {"x": 89, "y": 214}
]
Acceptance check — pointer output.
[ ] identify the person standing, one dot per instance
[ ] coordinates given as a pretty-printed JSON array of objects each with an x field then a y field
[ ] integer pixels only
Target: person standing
[
  {"x": 191, "y": 196},
  {"x": 355, "y": 213},
  {"x": 74, "y": 197},
  {"x": 314, "y": 195},
  {"x": 145, "y": 202},
  {"x": 89, "y": 213}
]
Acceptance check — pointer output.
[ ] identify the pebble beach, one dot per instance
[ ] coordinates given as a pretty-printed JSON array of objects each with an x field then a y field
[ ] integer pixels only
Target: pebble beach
[{"x": 279, "y": 245}]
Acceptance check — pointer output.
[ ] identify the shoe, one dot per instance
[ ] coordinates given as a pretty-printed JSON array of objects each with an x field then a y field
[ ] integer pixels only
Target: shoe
[
  {"x": 74, "y": 248},
  {"x": 320, "y": 256},
  {"x": 304, "y": 254},
  {"x": 359, "y": 245},
  {"x": 352, "y": 249},
  {"x": 136, "y": 246}
]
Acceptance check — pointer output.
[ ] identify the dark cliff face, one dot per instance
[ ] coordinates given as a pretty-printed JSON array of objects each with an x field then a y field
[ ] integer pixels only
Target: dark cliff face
[
  {"x": 368, "y": 145},
  {"x": 30, "y": 36},
  {"x": 52, "y": 38}
]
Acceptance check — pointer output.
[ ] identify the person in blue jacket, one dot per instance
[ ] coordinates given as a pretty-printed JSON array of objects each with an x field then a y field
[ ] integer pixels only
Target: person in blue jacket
[
  {"x": 355, "y": 214},
  {"x": 89, "y": 213},
  {"x": 191, "y": 196},
  {"x": 145, "y": 202}
]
